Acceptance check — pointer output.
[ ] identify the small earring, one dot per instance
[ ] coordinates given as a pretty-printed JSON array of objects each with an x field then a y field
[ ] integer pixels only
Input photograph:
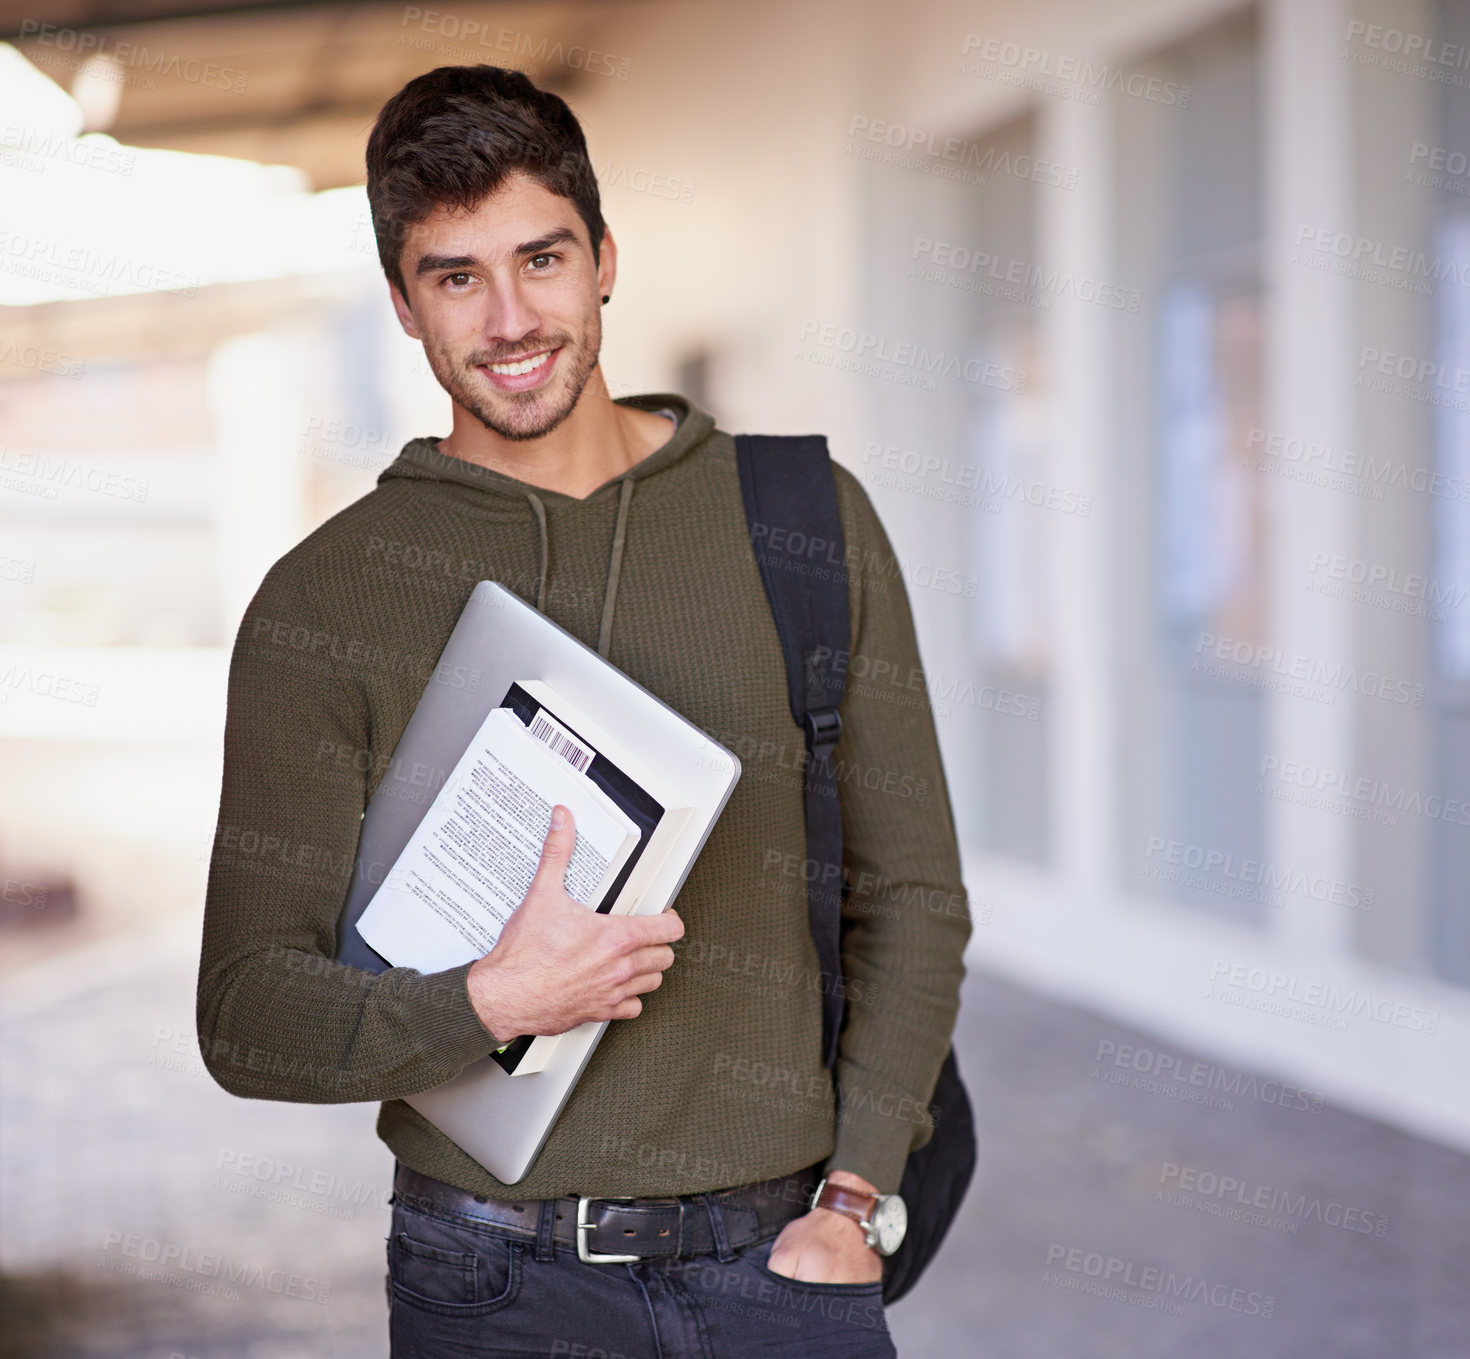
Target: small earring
[{"x": 606, "y": 298}]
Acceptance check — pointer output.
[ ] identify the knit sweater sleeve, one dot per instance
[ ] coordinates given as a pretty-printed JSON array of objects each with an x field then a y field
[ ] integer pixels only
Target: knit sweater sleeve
[
  {"x": 906, "y": 917},
  {"x": 277, "y": 1017}
]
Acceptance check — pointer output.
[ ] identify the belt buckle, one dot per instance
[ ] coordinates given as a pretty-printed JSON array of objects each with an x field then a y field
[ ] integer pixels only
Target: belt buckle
[{"x": 592, "y": 1257}]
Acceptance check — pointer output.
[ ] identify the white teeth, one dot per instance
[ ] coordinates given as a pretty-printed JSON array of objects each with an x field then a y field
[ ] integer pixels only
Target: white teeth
[{"x": 524, "y": 366}]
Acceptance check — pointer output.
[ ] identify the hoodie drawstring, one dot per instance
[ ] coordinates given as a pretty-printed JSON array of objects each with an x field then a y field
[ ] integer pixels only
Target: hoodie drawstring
[
  {"x": 614, "y": 569},
  {"x": 540, "y": 510},
  {"x": 614, "y": 564}
]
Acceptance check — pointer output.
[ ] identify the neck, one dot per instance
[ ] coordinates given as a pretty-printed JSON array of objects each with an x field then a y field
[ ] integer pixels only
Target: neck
[{"x": 598, "y": 441}]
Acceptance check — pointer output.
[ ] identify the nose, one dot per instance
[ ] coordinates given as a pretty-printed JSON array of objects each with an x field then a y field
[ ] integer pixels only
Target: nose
[{"x": 509, "y": 314}]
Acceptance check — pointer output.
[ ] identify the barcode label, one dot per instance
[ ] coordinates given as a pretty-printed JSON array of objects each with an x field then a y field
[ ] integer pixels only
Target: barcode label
[{"x": 561, "y": 741}]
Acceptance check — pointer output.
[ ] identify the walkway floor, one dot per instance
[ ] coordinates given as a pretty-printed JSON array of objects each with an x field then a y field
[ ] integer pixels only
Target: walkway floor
[{"x": 1109, "y": 1216}]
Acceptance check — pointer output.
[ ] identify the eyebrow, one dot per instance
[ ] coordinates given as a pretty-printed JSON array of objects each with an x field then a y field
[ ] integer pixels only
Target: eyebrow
[{"x": 433, "y": 264}]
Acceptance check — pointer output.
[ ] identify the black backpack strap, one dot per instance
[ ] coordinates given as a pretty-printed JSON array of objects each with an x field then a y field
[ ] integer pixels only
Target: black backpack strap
[{"x": 796, "y": 532}]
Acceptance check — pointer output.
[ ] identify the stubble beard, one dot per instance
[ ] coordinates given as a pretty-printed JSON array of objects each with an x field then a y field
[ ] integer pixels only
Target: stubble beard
[{"x": 518, "y": 416}]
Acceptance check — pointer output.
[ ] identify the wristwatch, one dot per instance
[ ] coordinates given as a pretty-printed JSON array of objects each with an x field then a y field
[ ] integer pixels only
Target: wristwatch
[{"x": 884, "y": 1218}]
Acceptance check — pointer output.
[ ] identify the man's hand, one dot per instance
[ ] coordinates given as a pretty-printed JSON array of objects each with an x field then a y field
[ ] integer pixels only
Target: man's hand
[
  {"x": 826, "y": 1246},
  {"x": 558, "y": 963}
]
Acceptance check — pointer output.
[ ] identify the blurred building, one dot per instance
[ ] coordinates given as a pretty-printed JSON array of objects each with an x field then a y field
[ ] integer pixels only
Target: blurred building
[{"x": 1146, "y": 325}]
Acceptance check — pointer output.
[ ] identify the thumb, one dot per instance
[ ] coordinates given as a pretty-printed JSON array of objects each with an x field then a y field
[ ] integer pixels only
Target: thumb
[{"x": 556, "y": 851}]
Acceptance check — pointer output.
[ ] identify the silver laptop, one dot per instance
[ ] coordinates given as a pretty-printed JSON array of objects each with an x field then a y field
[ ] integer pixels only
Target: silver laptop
[{"x": 503, "y": 1120}]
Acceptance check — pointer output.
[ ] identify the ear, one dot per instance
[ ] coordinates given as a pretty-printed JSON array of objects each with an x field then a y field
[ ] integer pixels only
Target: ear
[
  {"x": 607, "y": 262},
  {"x": 405, "y": 316}
]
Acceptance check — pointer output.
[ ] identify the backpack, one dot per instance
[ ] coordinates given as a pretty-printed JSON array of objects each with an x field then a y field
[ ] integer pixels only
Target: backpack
[{"x": 786, "y": 482}]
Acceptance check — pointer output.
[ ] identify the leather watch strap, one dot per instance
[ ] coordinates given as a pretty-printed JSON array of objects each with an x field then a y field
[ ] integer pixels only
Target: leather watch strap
[{"x": 851, "y": 1202}]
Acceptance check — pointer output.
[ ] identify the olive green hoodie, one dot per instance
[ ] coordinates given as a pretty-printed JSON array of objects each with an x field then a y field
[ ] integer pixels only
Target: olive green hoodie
[{"x": 720, "y": 1080}]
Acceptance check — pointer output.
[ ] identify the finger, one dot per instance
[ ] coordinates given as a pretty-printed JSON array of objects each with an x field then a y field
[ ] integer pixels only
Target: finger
[
  {"x": 627, "y": 1009},
  {"x": 652, "y": 959},
  {"x": 645, "y": 981},
  {"x": 663, "y": 928},
  {"x": 556, "y": 850}
]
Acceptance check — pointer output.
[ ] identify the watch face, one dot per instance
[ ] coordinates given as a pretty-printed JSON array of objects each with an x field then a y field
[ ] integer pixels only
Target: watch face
[{"x": 890, "y": 1220}]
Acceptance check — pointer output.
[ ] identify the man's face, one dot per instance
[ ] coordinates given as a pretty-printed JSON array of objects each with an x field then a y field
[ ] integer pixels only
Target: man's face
[{"x": 509, "y": 283}]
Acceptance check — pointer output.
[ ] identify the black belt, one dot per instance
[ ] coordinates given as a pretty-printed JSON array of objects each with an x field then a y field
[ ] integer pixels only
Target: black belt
[{"x": 614, "y": 1231}]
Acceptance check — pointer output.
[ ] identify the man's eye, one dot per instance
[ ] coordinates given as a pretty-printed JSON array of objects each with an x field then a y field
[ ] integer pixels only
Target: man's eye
[
  {"x": 534, "y": 258},
  {"x": 458, "y": 280}
]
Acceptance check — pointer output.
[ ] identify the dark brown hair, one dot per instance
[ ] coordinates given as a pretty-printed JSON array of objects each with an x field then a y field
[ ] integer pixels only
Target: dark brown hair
[{"x": 451, "y": 136}]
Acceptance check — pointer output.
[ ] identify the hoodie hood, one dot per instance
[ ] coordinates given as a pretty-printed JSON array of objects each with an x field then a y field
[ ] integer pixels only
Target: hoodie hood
[{"x": 421, "y": 460}]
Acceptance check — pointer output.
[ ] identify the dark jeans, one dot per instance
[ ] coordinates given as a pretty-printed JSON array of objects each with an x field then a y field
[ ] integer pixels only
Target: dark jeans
[{"x": 457, "y": 1287}]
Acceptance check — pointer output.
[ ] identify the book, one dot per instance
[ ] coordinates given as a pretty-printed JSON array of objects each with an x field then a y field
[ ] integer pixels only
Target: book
[
  {"x": 470, "y": 862},
  {"x": 645, "y": 798}
]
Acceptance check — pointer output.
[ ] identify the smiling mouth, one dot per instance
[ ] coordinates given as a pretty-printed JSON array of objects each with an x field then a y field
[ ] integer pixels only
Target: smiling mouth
[{"x": 519, "y": 366}]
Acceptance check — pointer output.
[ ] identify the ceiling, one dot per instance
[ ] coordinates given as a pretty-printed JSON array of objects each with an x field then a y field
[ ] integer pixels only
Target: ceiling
[
  {"x": 17, "y": 16},
  {"x": 292, "y": 84}
]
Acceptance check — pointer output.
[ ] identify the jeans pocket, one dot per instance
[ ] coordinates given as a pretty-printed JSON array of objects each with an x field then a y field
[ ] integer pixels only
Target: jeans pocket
[
  {"x": 449, "y": 1268},
  {"x": 759, "y": 1256}
]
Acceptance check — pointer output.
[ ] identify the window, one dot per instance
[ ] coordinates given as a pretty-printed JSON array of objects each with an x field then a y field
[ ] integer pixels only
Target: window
[
  {"x": 1188, "y": 228},
  {"x": 1448, "y": 605},
  {"x": 1009, "y": 524}
]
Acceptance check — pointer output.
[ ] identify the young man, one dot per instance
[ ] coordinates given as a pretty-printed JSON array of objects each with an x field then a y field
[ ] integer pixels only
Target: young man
[{"x": 706, "y": 1117}]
